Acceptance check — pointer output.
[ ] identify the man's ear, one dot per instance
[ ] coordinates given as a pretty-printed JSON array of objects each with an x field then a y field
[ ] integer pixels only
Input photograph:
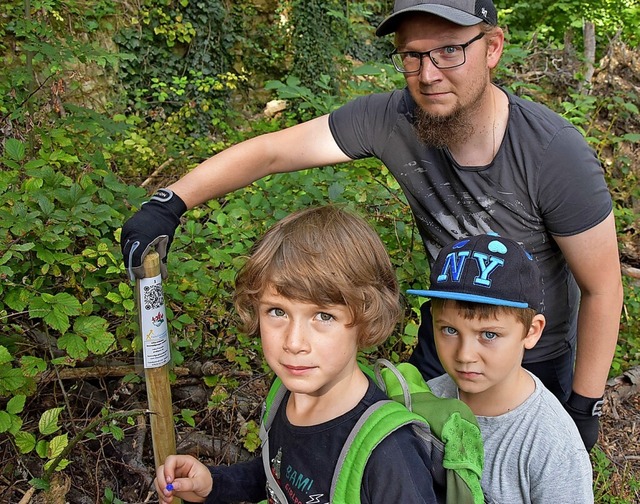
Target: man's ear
[
  {"x": 535, "y": 331},
  {"x": 495, "y": 47}
]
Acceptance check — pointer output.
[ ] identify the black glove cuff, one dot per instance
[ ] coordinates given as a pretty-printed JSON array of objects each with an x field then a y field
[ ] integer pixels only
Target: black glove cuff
[
  {"x": 588, "y": 405},
  {"x": 170, "y": 200}
]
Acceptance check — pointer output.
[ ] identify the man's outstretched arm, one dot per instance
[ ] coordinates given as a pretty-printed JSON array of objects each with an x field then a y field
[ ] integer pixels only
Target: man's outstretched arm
[{"x": 305, "y": 145}]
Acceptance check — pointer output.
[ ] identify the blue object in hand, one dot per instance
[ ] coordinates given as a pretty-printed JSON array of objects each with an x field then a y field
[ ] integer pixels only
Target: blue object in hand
[{"x": 170, "y": 487}]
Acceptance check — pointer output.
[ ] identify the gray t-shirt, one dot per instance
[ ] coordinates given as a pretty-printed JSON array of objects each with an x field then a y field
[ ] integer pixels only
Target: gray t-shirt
[
  {"x": 545, "y": 180},
  {"x": 532, "y": 454}
]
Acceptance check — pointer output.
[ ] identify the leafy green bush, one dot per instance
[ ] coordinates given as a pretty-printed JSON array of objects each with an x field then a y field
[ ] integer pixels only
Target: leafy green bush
[
  {"x": 550, "y": 21},
  {"x": 59, "y": 259},
  {"x": 69, "y": 179}
]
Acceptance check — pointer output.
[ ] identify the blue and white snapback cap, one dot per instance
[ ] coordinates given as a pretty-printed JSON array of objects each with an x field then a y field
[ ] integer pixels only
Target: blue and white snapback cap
[{"x": 486, "y": 269}]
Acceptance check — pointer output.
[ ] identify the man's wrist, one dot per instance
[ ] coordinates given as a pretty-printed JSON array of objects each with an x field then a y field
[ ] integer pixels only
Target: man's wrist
[
  {"x": 588, "y": 405},
  {"x": 171, "y": 200}
]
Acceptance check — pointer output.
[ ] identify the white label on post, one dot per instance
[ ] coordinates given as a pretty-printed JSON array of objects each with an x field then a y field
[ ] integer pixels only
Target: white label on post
[{"x": 153, "y": 323}]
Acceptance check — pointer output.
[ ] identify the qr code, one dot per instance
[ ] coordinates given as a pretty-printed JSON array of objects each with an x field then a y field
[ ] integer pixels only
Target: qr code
[{"x": 153, "y": 297}]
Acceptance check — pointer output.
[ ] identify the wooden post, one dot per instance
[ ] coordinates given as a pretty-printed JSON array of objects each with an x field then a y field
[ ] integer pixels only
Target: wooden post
[{"x": 156, "y": 354}]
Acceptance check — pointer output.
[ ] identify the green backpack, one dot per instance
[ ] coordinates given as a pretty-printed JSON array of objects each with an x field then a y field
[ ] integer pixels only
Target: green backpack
[{"x": 447, "y": 427}]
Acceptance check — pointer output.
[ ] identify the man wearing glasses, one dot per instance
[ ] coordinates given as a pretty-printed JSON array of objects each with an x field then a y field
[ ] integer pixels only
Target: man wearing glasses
[{"x": 471, "y": 159}]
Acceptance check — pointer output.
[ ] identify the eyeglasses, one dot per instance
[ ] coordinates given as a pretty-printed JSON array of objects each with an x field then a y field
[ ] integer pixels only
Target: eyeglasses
[{"x": 442, "y": 57}]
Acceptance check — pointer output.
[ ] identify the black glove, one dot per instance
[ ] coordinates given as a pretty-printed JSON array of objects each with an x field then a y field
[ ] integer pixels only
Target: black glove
[
  {"x": 152, "y": 226},
  {"x": 585, "y": 412}
]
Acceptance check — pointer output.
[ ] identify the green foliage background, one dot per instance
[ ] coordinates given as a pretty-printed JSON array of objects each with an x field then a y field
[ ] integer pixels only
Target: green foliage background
[{"x": 94, "y": 97}]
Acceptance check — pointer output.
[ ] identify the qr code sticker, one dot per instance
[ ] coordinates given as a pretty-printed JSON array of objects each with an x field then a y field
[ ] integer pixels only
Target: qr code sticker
[{"x": 153, "y": 297}]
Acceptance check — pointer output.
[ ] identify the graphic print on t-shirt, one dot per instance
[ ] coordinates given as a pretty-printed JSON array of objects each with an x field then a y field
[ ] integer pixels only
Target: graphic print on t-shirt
[{"x": 297, "y": 487}]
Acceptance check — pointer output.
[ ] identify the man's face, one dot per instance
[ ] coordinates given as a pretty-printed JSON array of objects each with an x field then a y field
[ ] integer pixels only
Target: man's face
[{"x": 447, "y": 98}]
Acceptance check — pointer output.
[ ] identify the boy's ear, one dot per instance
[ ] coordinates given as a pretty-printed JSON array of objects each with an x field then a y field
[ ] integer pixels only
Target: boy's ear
[{"x": 535, "y": 331}]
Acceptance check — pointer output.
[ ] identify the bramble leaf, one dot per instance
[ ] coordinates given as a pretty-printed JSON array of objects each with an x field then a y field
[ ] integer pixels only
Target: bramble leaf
[{"x": 48, "y": 423}]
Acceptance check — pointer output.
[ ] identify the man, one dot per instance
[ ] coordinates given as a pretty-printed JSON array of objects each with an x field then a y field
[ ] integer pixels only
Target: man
[{"x": 470, "y": 159}]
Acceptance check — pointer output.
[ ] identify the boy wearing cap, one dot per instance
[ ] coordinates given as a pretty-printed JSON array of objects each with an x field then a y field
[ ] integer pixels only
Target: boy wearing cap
[
  {"x": 470, "y": 158},
  {"x": 486, "y": 300}
]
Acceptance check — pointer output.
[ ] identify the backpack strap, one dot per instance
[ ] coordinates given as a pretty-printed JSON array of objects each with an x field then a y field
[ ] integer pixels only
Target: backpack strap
[
  {"x": 453, "y": 425},
  {"x": 377, "y": 422},
  {"x": 269, "y": 409},
  {"x": 404, "y": 386}
]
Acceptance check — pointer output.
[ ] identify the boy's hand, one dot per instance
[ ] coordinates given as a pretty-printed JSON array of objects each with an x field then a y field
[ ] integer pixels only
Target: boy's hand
[
  {"x": 153, "y": 226},
  {"x": 586, "y": 413},
  {"x": 186, "y": 478}
]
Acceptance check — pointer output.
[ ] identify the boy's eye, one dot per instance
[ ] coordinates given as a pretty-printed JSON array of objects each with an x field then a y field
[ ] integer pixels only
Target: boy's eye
[
  {"x": 449, "y": 330},
  {"x": 325, "y": 317},
  {"x": 276, "y": 312},
  {"x": 489, "y": 336}
]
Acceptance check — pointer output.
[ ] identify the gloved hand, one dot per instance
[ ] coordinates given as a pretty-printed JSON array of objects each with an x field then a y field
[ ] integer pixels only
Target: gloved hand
[
  {"x": 152, "y": 226},
  {"x": 585, "y": 412}
]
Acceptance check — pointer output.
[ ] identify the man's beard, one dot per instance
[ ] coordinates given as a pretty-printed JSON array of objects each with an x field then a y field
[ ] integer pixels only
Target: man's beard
[{"x": 442, "y": 131}]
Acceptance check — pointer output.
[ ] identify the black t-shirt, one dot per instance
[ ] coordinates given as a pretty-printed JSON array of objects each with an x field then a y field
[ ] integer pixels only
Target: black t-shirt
[
  {"x": 303, "y": 460},
  {"x": 544, "y": 180}
]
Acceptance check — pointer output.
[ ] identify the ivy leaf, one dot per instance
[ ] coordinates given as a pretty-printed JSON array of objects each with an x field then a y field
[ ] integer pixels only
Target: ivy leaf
[{"x": 48, "y": 423}]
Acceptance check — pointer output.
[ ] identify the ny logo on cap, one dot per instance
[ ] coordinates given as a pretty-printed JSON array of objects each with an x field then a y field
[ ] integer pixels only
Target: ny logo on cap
[{"x": 455, "y": 263}]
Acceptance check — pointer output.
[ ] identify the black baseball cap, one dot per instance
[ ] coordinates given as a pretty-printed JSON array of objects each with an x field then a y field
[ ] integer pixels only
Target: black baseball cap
[
  {"x": 461, "y": 12},
  {"x": 486, "y": 269}
]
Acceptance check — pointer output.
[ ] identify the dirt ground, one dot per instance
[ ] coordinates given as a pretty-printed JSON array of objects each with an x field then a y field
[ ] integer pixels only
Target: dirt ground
[{"x": 620, "y": 439}]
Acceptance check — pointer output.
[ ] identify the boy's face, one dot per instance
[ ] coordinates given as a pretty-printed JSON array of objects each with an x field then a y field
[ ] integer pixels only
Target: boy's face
[
  {"x": 484, "y": 356},
  {"x": 308, "y": 346}
]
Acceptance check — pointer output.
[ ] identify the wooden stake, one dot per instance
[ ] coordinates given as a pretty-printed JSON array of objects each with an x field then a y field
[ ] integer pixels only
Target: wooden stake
[{"x": 151, "y": 302}]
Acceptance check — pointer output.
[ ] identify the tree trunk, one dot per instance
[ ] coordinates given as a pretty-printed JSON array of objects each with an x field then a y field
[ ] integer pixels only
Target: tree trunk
[{"x": 589, "y": 34}]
